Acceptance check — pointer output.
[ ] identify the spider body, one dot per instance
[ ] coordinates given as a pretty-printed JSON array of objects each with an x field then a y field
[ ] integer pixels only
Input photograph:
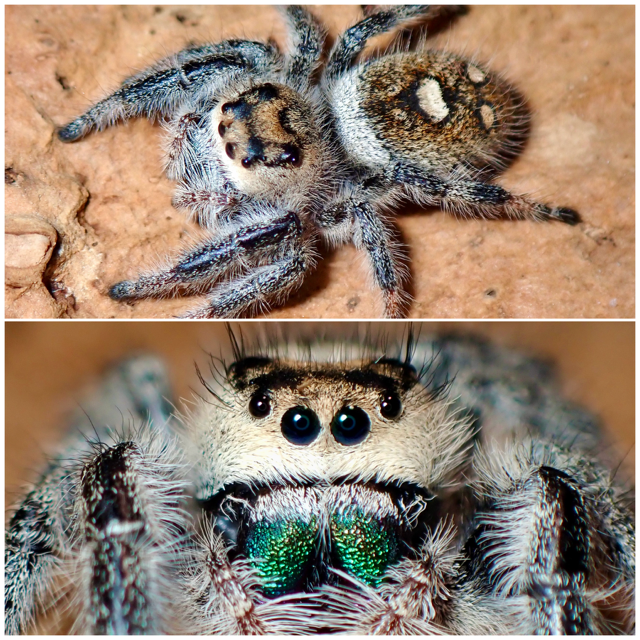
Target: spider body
[
  {"x": 437, "y": 486},
  {"x": 271, "y": 161},
  {"x": 432, "y": 109}
]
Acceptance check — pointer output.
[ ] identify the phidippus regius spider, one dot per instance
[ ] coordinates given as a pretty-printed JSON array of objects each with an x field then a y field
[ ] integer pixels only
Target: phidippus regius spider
[
  {"x": 436, "y": 486},
  {"x": 274, "y": 153}
]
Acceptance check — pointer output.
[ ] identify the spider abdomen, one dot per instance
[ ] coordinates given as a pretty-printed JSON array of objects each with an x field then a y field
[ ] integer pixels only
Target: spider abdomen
[{"x": 432, "y": 109}]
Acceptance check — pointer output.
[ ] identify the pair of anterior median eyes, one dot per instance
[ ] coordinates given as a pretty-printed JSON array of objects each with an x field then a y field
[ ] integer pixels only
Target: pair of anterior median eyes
[{"x": 350, "y": 426}]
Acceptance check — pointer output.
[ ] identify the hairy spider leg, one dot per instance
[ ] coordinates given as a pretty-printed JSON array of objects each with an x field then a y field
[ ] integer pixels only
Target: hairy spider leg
[
  {"x": 33, "y": 545},
  {"x": 262, "y": 286},
  {"x": 45, "y": 532},
  {"x": 538, "y": 542},
  {"x": 376, "y": 235},
  {"x": 278, "y": 239},
  {"x": 471, "y": 197},
  {"x": 306, "y": 43},
  {"x": 353, "y": 41},
  {"x": 158, "y": 90}
]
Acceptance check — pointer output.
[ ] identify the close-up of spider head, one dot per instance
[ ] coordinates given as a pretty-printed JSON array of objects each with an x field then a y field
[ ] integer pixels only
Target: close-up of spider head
[
  {"x": 271, "y": 141},
  {"x": 371, "y": 484}
]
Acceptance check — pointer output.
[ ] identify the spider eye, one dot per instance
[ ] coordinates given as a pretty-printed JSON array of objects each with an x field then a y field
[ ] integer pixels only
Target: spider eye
[
  {"x": 230, "y": 150},
  {"x": 260, "y": 405},
  {"x": 350, "y": 426},
  {"x": 291, "y": 155},
  {"x": 300, "y": 426},
  {"x": 390, "y": 405},
  {"x": 222, "y": 129}
]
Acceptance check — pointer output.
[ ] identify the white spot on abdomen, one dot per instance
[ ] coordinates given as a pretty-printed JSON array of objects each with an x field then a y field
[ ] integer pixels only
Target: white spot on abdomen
[
  {"x": 431, "y": 101},
  {"x": 475, "y": 75},
  {"x": 488, "y": 116}
]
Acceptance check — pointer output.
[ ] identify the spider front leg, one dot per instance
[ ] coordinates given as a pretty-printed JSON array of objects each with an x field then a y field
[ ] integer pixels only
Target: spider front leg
[
  {"x": 305, "y": 50},
  {"x": 554, "y": 541},
  {"x": 113, "y": 524},
  {"x": 158, "y": 90},
  {"x": 53, "y": 532},
  {"x": 130, "y": 530},
  {"x": 473, "y": 197},
  {"x": 377, "y": 237},
  {"x": 34, "y": 545},
  {"x": 353, "y": 41},
  {"x": 274, "y": 253},
  {"x": 264, "y": 285}
]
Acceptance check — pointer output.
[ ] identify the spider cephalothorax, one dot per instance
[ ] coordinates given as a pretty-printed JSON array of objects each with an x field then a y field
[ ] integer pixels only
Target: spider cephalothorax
[
  {"x": 274, "y": 153},
  {"x": 329, "y": 487}
]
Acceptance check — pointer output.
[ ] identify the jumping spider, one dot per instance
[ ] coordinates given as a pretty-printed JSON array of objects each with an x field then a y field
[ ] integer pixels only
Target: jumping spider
[
  {"x": 438, "y": 486},
  {"x": 275, "y": 152}
]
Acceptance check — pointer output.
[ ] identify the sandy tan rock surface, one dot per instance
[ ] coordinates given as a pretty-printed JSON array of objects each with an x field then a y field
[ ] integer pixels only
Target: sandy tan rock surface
[{"x": 101, "y": 207}]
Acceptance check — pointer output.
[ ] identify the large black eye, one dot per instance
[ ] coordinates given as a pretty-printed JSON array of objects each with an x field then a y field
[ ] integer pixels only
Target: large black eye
[
  {"x": 300, "y": 425},
  {"x": 390, "y": 405},
  {"x": 260, "y": 405},
  {"x": 291, "y": 155},
  {"x": 351, "y": 425}
]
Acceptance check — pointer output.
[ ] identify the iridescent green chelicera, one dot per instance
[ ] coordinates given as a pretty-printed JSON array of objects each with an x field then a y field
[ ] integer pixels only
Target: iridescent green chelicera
[
  {"x": 364, "y": 546},
  {"x": 280, "y": 552}
]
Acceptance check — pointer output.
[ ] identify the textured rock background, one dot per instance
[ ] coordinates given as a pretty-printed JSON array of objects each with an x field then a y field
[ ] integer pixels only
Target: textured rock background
[{"x": 105, "y": 204}]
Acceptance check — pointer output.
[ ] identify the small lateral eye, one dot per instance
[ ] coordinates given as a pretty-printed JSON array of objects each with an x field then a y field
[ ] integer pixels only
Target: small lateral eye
[
  {"x": 351, "y": 425},
  {"x": 390, "y": 405},
  {"x": 221, "y": 129},
  {"x": 260, "y": 405},
  {"x": 291, "y": 155},
  {"x": 230, "y": 150},
  {"x": 300, "y": 426}
]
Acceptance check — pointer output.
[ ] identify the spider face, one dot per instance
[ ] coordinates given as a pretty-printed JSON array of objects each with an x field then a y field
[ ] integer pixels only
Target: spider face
[
  {"x": 357, "y": 490},
  {"x": 275, "y": 154},
  {"x": 268, "y": 133},
  {"x": 324, "y": 465},
  {"x": 325, "y": 424}
]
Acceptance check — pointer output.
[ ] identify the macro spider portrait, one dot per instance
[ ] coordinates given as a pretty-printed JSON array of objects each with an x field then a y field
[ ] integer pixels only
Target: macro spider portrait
[
  {"x": 369, "y": 486},
  {"x": 276, "y": 154}
]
